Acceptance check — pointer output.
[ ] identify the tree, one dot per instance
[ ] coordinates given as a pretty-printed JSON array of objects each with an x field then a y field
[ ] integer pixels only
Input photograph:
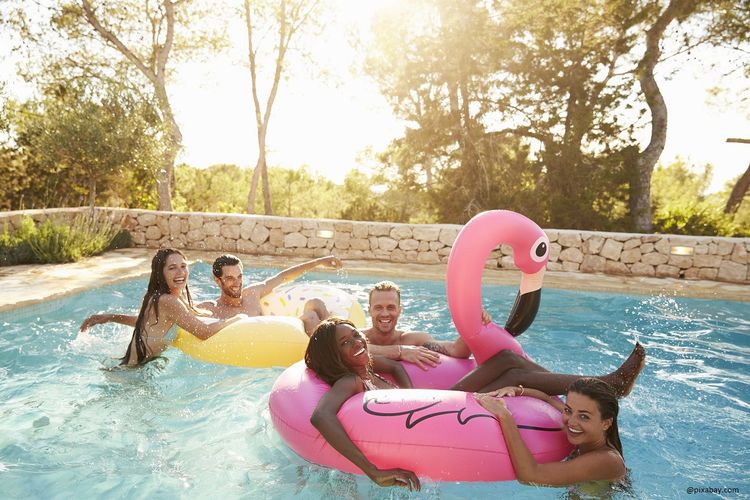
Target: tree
[
  {"x": 95, "y": 38},
  {"x": 77, "y": 139},
  {"x": 285, "y": 18}
]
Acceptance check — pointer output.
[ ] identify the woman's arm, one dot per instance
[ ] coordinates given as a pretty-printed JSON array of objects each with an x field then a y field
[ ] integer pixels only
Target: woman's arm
[
  {"x": 381, "y": 364},
  {"x": 518, "y": 390},
  {"x": 100, "y": 319},
  {"x": 326, "y": 420},
  {"x": 294, "y": 272},
  {"x": 593, "y": 466},
  {"x": 173, "y": 309}
]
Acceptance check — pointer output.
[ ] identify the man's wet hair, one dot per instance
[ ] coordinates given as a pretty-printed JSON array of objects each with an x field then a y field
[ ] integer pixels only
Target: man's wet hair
[
  {"x": 225, "y": 260},
  {"x": 385, "y": 286}
]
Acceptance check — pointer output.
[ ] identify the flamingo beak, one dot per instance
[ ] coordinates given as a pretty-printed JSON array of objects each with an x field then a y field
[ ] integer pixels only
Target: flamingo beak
[{"x": 526, "y": 305}]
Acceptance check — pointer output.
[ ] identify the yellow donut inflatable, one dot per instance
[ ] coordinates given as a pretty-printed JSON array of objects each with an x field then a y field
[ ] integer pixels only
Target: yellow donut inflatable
[{"x": 278, "y": 337}]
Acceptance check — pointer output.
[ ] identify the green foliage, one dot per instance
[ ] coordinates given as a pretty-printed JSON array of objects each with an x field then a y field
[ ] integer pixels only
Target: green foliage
[
  {"x": 56, "y": 242},
  {"x": 680, "y": 205},
  {"x": 14, "y": 247}
]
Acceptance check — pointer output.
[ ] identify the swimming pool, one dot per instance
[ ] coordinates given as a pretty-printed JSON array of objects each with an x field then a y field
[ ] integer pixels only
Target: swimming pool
[{"x": 182, "y": 428}]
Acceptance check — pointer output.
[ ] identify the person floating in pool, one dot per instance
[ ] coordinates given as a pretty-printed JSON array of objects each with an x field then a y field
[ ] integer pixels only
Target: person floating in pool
[
  {"x": 339, "y": 354},
  {"x": 234, "y": 299},
  {"x": 167, "y": 302},
  {"x": 589, "y": 416},
  {"x": 415, "y": 347},
  {"x": 233, "y": 304}
]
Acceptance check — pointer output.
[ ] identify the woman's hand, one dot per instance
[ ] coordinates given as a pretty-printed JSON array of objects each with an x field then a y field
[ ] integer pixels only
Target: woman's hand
[
  {"x": 509, "y": 391},
  {"x": 395, "y": 477},
  {"x": 94, "y": 319},
  {"x": 494, "y": 405},
  {"x": 486, "y": 318}
]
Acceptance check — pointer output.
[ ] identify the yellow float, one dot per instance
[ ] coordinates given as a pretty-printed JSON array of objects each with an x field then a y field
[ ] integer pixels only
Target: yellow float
[{"x": 275, "y": 339}]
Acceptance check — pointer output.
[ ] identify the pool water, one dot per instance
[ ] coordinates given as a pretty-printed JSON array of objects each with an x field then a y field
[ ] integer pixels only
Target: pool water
[{"x": 180, "y": 428}]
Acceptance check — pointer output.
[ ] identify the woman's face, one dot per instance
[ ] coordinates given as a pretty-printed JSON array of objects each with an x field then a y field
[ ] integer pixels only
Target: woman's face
[
  {"x": 583, "y": 421},
  {"x": 176, "y": 272},
  {"x": 352, "y": 346}
]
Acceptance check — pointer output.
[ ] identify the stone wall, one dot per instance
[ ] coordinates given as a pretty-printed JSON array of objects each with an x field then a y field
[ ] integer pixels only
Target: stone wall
[{"x": 710, "y": 258}]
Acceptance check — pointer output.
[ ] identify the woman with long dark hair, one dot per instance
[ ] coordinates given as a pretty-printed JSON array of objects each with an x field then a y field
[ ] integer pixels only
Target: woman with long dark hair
[
  {"x": 338, "y": 353},
  {"x": 589, "y": 416},
  {"x": 167, "y": 302}
]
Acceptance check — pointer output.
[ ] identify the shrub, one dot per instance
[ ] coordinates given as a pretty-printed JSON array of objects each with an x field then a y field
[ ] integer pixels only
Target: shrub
[
  {"x": 698, "y": 219},
  {"x": 57, "y": 242}
]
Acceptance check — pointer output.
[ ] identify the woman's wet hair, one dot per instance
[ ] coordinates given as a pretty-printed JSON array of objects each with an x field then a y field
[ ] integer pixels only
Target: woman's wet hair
[
  {"x": 322, "y": 355},
  {"x": 157, "y": 286},
  {"x": 224, "y": 260},
  {"x": 606, "y": 400}
]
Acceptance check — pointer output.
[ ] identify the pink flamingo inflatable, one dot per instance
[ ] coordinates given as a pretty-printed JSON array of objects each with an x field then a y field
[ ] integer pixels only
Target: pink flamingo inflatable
[{"x": 440, "y": 434}]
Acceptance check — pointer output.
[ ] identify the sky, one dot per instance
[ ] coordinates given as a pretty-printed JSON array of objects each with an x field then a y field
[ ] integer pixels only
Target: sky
[{"x": 327, "y": 122}]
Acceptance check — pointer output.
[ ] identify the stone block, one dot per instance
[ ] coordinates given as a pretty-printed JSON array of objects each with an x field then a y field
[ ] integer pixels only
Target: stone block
[
  {"x": 245, "y": 246},
  {"x": 315, "y": 242},
  {"x": 344, "y": 226},
  {"x": 163, "y": 222},
  {"x": 506, "y": 249},
  {"x": 196, "y": 235},
  {"x": 732, "y": 271},
  {"x": 291, "y": 225},
  {"x": 554, "y": 252},
  {"x": 426, "y": 233},
  {"x": 663, "y": 246},
  {"x": 571, "y": 255},
  {"x": 195, "y": 221},
  {"x": 593, "y": 264},
  {"x": 707, "y": 261},
  {"x": 448, "y": 235},
  {"x": 612, "y": 267},
  {"x": 295, "y": 240},
  {"x": 214, "y": 243},
  {"x": 681, "y": 261},
  {"x": 630, "y": 256},
  {"x": 647, "y": 248},
  {"x": 552, "y": 235},
  {"x": 611, "y": 249},
  {"x": 212, "y": 228},
  {"x": 570, "y": 266},
  {"x": 360, "y": 231},
  {"x": 246, "y": 229},
  {"x": 145, "y": 220},
  {"x": 386, "y": 243},
  {"x": 373, "y": 243},
  {"x": 423, "y": 246},
  {"x": 667, "y": 271},
  {"x": 229, "y": 246},
  {"x": 593, "y": 245},
  {"x": 554, "y": 266},
  {"x": 641, "y": 269},
  {"x": 139, "y": 238},
  {"x": 739, "y": 254},
  {"x": 401, "y": 232},
  {"x": 435, "y": 246},
  {"x": 398, "y": 255},
  {"x": 631, "y": 243},
  {"x": 570, "y": 239},
  {"x": 276, "y": 237},
  {"x": 359, "y": 244},
  {"x": 310, "y": 224},
  {"x": 506, "y": 262},
  {"x": 260, "y": 234},
  {"x": 708, "y": 273},
  {"x": 153, "y": 233},
  {"x": 378, "y": 229},
  {"x": 231, "y": 231},
  {"x": 654, "y": 259},
  {"x": 408, "y": 244},
  {"x": 650, "y": 238},
  {"x": 428, "y": 258},
  {"x": 700, "y": 250},
  {"x": 724, "y": 248},
  {"x": 175, "y": 225}
]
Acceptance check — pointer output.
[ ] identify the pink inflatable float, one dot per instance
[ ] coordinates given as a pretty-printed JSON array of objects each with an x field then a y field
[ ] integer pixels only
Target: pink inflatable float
[{"x": 440, "y": 434}]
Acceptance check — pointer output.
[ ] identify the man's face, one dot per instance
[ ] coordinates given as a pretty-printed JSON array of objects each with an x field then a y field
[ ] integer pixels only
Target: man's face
[
  {"x": 385, "y": 308},
  {"x": 230, "y": 281}
]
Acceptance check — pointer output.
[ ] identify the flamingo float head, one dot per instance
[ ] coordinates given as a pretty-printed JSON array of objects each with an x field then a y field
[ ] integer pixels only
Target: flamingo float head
[{"x": 482, "y": 234}]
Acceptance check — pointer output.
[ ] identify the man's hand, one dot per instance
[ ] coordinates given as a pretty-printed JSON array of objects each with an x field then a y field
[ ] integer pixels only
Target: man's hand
[
  {"x": 331, "y": 261},
  {"x": 420, "y": 356}
]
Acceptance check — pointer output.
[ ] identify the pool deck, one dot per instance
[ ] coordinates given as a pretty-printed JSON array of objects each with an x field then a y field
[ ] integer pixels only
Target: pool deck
[{"x": 22, "y": 286}]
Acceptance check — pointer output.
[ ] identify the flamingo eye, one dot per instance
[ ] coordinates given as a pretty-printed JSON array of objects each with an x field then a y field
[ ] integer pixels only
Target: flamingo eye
[{"x": 540, "y": 249}]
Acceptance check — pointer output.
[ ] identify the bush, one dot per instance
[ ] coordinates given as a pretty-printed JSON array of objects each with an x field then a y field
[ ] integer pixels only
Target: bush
[
  {"x": 56, "y": 242},
  {"x": 15, "y": 248},
  {"x": 695, "y": 219}
]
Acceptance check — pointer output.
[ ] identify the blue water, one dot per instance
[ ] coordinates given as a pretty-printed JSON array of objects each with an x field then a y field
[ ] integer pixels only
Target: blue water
[{"x": 181, "y": 428}]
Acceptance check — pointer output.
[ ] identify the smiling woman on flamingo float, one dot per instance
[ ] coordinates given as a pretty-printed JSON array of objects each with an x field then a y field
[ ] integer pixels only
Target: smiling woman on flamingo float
[{"x": 333, "y": 414}]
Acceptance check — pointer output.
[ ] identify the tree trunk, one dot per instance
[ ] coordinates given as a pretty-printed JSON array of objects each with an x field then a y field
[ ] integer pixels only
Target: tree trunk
[
  {"x": 640, "y": 186},
  {"x": 92, "y": 193},
  {"x": 252, "y": 195},
  {"x": 738, "y": 193}
]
